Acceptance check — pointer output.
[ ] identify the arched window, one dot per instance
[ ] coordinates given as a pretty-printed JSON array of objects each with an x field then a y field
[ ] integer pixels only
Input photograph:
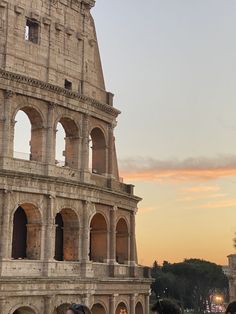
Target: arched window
[
  {"x": 67, "y": 143},
  {"x": 98, "y": 309},
  {"x": 67, "y": 236},
  {"x": 28, "y": 135},
  {"x": 122, "y": 242},
  {"x": 63, "y": 307},
  {"x": 98, "y": 239},
  {"x": 139, "y": 308},
  {"x": 24, "y": 310},
  {"x": 121, "y": 309},
  {"x": 98, "y": 151},
  {"x": 26, "y": 238}
]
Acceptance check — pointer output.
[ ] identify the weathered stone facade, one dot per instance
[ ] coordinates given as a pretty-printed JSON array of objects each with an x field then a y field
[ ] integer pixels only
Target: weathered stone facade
[{"x": 67, "y": 232}]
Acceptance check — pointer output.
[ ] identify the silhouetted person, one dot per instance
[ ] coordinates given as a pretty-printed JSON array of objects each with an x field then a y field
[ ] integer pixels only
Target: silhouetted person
[
  {"x": 165, "y": 306},
  {"x": 231, "y": 308},
  {"x": 77, "y": 309}
]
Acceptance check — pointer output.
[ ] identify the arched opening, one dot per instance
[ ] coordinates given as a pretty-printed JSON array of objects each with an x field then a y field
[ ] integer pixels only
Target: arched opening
[
  {"x": 67, "y": 236},
  {"x": 121, "y": 309},
  {"x": 98, "y": 239},
  {"x": 26, "y": 237},
  {"x": 28, "y": 135},
  {"x": 122, "y": 242},
  {"x": 63, "y": 307},
  {"x": 24, "y": 310},
  {"x": 139, "y": 308},
  {"x": 98, "y": 309},
  {"x": 98, "y": 151},
  {"x": 67, "y": 143}
]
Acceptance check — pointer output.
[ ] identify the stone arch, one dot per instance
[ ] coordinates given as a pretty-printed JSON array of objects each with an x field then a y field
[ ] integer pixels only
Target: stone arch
[
  {"x": 121, "y": 308},
  {"x": 98, "y": 238},
  {"x": 98, "y": 308},
  {"x": 139, "y": 308},
  {"x": 71, "y": 144},
  {"x": 26, "y": 234},
  {"x": 67, "y": 235},
  {"x": 36, "y": 138},
  {"x": 23, "y": 310},
  {"x": 61, "y": 309},
  {"x": 122, "y": 241},
  {"x": 98, "y": 151}
]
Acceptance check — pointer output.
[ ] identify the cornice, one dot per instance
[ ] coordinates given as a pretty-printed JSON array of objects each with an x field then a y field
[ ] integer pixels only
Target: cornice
[{"x": 15, "y": 77}]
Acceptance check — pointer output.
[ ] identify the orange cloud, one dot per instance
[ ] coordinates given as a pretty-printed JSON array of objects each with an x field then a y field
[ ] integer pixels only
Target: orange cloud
[
  {"x": 219, "y": 204},
  {"x": 191, "y": 169}
]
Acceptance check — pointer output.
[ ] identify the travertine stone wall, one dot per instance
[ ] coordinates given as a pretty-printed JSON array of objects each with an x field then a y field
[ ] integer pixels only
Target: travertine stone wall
[{"x": 67, "y": 232}]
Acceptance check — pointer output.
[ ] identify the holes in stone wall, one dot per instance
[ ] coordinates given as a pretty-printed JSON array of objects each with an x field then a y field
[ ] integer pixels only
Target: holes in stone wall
[
  {"x": 98, "y": 239},
  {"x": 32, "y": 31},
  {"x": 67, "y": 144},
  {"x": 139, "y": 308},
  {"x": 121, "y": 309},
  {"x": 24, "y": 310},
  {"x": 67, "y": 236},
  {"x": 122, "y": 242},
  {"x": 68, "y": 84},
  {"x": 97, "y": 151},
  {"x": 98, "y": 309},
  {"x": 28, "y": 135},
  {"x": 26, "y": 237}
]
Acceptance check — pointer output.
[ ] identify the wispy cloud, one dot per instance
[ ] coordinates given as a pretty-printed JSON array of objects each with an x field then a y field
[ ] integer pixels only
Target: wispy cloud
[
  {"x": 219, "y": 204},
  {"x": 191, "y": 169}
]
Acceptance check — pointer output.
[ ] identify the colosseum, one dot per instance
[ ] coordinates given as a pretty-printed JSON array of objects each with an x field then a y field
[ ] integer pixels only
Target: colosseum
[{"x": 67, "y": 228}]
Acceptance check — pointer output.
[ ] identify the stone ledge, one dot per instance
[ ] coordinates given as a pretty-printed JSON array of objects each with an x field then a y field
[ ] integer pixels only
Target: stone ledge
[{"x": 58, "y": 90}]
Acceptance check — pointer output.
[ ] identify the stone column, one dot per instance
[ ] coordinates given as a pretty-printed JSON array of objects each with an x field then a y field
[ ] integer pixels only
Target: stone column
[
  {"x": 112, "y": 245},
  {"x": 132, "y": 239},
  {"x": 49, "y": 238},
  {"x": 48, "y": 304},
  {"x": 51, "y": 134},
  {"x": 132, "y": 303},
  {"x": 50, "y": 231},
  {"x": 5, "y": 226},
  {"x": 8, "y": 126},
  {"x": 2, "y": 304},
  {"x": 110, "y": 149},
  {"x": 112, "y": 304},
  {"x": 85, "y": 147},
  {"x": 85, "y": 231},
  {"x": 146, "y": 311}
]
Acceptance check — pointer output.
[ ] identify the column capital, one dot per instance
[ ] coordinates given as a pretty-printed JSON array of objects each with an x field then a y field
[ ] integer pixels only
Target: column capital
[{"x": 9, "y": 93}]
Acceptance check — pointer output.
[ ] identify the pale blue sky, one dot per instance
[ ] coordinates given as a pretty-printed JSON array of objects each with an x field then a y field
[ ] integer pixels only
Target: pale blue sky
[{"x": 172, "y": 67}]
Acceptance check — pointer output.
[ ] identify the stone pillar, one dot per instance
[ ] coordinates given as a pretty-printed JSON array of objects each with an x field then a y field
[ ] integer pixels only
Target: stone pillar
[
  {"x": 51, "y": 135},
  {"x": 85, "y": 231},
  {"x": 85, "y": 147},
  {"x": 50, "y": 231},
  {"x": 132, "y": 303},
  {"x": 48, "y": 304},
  {"x": 2, "y": 304},
  {"x": 8, "y": 126},
  {"x": 86, "y": 299},
  {"x": 146, "y": 311},
  {"x": 110, "y": 150},
  {"x": 112, "y": 304},
  {"x": 112, "y": 245},
  {"x": 5, "y": 248},
  {"x": 49, "y": 238},
  {"x": 132, "y": 239}
]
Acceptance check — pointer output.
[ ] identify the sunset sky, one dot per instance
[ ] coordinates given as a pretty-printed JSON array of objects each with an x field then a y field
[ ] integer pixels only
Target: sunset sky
[{"x": 172, "y": 67}]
